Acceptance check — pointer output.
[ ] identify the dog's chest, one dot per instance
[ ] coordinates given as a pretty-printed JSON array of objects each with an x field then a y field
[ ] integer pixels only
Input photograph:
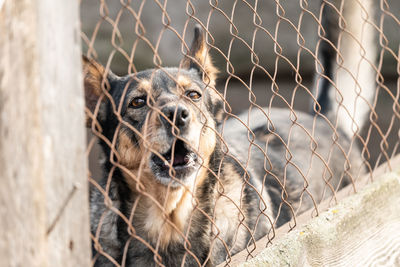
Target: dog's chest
[{"x": 158, "y": 234}]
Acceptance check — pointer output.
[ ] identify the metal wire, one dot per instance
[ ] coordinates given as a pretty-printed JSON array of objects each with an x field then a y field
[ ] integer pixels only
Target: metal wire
[{"x": 267, "y": 57}]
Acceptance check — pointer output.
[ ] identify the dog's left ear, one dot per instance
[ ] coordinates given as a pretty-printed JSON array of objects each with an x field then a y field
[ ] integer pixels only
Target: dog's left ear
[{"x": 199, "y": 58}]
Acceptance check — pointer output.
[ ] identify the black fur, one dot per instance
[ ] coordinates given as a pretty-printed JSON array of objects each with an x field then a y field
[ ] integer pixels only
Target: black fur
[{"x": 267, "y": 187}]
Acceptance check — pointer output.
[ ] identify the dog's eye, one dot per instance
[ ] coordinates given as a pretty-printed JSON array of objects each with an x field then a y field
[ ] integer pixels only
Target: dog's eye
[
  {"x": 138, "y": 102},
  {"x": 194, "y": 95}
]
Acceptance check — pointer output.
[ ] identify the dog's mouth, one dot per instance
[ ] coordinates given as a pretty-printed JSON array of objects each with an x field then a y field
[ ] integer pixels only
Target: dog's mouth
[{"x": 178, "y": 162}]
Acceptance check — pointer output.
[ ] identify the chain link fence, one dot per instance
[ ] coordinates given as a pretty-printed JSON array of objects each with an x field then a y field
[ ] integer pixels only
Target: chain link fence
[{"x": 186, "y": 169}]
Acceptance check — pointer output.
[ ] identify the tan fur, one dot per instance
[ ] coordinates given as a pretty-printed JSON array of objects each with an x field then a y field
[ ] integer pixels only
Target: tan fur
[
  {"x": 129, "y": 155},
  {"x": 158, "y": 224},
  {"x": 165, "y": 224},
  {"x": 210, "y": 72},
  {"x": 154, "y": 219},
  {"x": 200, "y": 54},
  {"x": 145, "y": 85},
  {"x": 93, "y": 74},
  {"x": 207, "y": 143},
  {"x": 183, "y": 81}
]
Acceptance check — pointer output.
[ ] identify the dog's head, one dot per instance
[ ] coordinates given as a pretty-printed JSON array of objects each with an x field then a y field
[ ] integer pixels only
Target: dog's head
[{"x": 162, "y": 122}]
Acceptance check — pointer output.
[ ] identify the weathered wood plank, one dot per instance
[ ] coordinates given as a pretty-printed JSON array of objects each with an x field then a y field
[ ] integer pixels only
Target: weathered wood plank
[
  {"x": 43, "y": 197},
  {"x": 363, "y": 230},
  {"x": 305, "y": 218}
]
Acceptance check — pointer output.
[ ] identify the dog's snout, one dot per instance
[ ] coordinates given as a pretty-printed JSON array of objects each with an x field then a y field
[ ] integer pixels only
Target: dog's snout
[{"x": 178, "y": 114}]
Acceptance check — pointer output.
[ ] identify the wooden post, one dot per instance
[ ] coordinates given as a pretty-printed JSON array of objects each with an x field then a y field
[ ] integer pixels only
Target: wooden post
[{"x": 43, "y": 185}]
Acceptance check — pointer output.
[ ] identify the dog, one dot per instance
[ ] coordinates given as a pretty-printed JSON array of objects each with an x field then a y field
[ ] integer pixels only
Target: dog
[{"x": 186, "y": 185}]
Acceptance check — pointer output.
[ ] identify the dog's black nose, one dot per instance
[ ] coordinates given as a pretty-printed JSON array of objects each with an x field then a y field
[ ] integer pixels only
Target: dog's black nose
[{"x": 178, "y": 114}]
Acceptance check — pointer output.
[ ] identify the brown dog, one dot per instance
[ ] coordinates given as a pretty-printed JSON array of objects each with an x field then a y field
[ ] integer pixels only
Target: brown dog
[{"x": 178, "y": 191}]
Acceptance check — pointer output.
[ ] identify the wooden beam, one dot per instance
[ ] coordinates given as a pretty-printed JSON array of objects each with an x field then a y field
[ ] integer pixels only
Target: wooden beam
[
  {"x": 43, "y": 194},
  {"x": 357, "y": 223},
  {"x": 362, "y": 230}
]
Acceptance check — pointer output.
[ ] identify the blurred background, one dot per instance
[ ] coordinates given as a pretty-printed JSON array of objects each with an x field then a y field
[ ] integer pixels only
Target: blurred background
[{"x": 264, "y": 50}]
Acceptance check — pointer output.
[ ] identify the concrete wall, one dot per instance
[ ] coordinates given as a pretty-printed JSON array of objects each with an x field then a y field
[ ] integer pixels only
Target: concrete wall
[{"x": 282, "y": 28}]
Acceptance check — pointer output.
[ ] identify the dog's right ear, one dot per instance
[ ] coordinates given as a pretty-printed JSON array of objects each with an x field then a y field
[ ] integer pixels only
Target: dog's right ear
[{"x": 95, "y": 84}]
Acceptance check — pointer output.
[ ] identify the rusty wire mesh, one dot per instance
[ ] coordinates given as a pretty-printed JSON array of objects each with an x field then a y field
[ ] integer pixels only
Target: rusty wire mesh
[{"x": 268, "y": 55}]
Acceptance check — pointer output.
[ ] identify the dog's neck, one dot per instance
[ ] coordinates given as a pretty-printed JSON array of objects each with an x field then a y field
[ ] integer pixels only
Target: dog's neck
[{"x": 164, "y": 212}]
